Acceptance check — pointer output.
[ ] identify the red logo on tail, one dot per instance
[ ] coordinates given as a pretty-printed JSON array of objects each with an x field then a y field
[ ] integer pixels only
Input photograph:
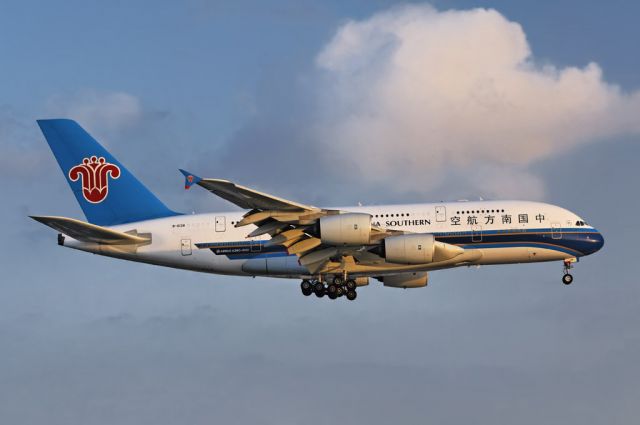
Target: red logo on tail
[{"x": 95, "y": 174}]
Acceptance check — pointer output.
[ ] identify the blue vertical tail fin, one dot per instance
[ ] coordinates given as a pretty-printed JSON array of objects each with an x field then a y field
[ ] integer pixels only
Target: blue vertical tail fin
[{"x": 106, "y": 191}]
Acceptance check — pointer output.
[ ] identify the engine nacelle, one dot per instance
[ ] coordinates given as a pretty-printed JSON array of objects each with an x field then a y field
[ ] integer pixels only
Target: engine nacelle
[
  {"x": 416, "y": 248},
  {"x": 345, "y": 229},
  {"x": 406, "y": 280}
]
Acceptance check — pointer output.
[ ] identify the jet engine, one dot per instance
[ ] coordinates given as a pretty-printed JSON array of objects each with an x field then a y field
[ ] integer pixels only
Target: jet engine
[
  {"x": 417, "y": 248},
  {"x": 345, "y": 229},
  {"x": 409, "y": 249}
]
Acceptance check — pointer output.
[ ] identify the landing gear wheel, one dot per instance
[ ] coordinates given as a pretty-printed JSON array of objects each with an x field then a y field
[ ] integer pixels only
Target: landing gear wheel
[
  {"x": 318, "y": 288},
  {"x": 340, "y": 291},
  {"x": 333, "y": 295},
  {"x": 338, "y": 281},
  {"x": 567, "y": 279},
  {"x": 351, "y": 285},
  {"x": 332, "y": 289},
  {"x": 351, "y": 295},
  {"x": 306, "y": 287}
]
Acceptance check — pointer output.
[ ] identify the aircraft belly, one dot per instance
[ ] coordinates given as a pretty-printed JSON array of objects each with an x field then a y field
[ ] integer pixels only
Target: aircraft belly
[
  {"x": 511, "y": 255},
  {"x": 274, "y": 266}
]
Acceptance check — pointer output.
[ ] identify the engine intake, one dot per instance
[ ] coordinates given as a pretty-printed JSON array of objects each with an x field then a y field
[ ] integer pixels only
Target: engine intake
[{"x": 345, "y": 229}]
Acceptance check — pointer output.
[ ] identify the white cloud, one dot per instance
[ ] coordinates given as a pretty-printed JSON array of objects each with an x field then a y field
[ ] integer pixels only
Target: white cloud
[
  {"x": 23, "y": 151},
  {"x": 103, "y": 111},
  {"x": 435, "y": 95}
]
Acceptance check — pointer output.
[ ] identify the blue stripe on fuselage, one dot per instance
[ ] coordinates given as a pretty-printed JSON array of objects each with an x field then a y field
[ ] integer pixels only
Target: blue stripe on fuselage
[{"x": 577, "y": 242}]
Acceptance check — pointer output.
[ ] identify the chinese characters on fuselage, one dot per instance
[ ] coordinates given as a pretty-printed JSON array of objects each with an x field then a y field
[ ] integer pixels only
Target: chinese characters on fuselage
[
  {"x": 488, "y": 219},
  {"x": 471, "y": 220}
]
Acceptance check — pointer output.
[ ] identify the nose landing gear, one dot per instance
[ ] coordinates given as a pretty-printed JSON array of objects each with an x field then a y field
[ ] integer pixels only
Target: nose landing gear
[{"x": 567, "y": 278}]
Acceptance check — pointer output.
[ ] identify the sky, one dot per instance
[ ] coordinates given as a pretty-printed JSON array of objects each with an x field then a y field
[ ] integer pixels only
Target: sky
[{"x": 328, "y": 103}]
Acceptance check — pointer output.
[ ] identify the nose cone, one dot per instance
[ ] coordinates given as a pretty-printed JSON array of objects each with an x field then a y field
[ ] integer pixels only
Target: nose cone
[{"x": 595, "y": 242}]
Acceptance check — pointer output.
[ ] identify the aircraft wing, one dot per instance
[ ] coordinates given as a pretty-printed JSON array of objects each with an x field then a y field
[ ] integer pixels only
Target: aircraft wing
[
  {"x": 296, "y": 228},
  {"x": 242, "y": 196},
  {"x": 290, "y": 224}
]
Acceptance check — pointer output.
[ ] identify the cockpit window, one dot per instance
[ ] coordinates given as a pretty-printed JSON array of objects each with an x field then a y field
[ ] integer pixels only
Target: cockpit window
[{"x": 580, "y": 223}]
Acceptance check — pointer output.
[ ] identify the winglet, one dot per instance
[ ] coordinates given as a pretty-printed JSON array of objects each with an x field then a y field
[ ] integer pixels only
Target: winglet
[{"x": 189, "y": 179}]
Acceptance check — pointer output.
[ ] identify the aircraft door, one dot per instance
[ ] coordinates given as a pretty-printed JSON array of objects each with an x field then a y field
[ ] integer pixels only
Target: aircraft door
[
  {"x": 441, "y": 213},
  {"x": 185, "y": 246},
  {"x": 556, "y": 231},
  {"x": 476, "y": 234},
  {"x": 221, "y": 223}
]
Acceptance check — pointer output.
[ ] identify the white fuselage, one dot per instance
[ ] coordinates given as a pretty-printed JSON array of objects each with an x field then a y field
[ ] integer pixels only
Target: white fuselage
[{"x": 503, "y": 231}]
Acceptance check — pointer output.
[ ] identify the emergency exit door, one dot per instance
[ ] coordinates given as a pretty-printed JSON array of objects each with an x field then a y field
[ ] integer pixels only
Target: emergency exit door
[
  {"x": 220, "y": 223},
  {"x": 185, "y": 246},
  {"x": 441, "y": 213}
]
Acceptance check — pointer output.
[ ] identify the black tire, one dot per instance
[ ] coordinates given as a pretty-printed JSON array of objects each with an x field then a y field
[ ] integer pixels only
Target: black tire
[
  {"x": 351, "y": 295},
  {"x": 351, "y": 285},
  {"x": 306, "y": 286},
  {"x": 318, "y": 286},
  {"x": 338, "y": 281},
  {"x": 567, "y": 279},
  {"x": 340, "y": 291},
  {"x": 333, "y": 296},
  {"x": 319, "y": 293},
  {"x": 332, "y": 289}
]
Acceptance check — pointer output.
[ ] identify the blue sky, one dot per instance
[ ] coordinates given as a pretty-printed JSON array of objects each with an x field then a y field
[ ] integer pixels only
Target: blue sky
[{"x": 233, "y": 89}]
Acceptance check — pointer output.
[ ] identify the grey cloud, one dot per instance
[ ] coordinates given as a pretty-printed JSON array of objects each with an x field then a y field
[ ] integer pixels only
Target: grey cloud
[
  {"x": 213, "y": 364},
  {"x": 22, "y": 158}
]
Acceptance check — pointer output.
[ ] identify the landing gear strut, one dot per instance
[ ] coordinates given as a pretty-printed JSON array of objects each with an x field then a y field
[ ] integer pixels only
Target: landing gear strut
[{"x": 567, "y": 278}]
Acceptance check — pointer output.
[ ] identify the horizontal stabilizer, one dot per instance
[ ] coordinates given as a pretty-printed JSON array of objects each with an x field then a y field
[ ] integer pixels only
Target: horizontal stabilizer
[{"x": 87, "y": 232}]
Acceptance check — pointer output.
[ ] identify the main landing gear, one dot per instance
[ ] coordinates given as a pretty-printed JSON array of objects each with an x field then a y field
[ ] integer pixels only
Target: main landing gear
[
  {"x": 336, "y": 289},
  {"x": 567, "y": 278}
]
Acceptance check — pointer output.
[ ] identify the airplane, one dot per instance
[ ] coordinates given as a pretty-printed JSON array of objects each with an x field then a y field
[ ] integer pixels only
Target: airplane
[{"x": 333, "y": 251}]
